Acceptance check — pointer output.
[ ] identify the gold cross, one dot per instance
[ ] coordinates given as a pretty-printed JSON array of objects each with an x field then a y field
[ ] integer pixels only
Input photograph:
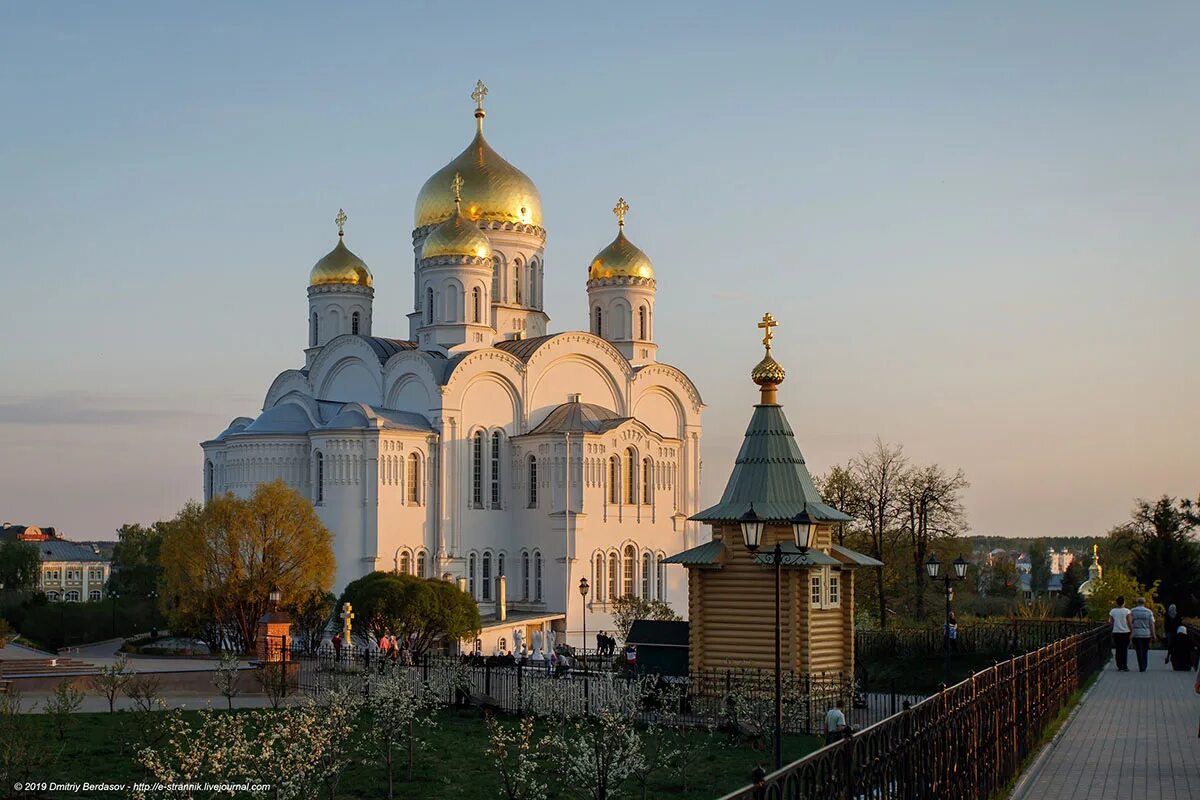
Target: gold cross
[
  {"x": 478, "y": 95},
  {"x": 340, "y": 219},
  {"x": 621, "y": 209},
  {"x": 457, "y": 183},
  {"x": 767, "y": 323}
]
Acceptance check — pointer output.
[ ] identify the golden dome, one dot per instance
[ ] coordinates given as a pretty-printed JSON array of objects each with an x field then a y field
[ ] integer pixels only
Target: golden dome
[
  {"x": 768, "y": 371},
  {"x": 340, "y": 265},
  {"x": 622, "y": 258},
  {"x": 457, "y": 236},
  {"x": 499, "y": 191}
]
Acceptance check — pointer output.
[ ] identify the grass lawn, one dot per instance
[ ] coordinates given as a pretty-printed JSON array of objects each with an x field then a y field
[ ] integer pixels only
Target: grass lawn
[{"x": 453, "y": 763}]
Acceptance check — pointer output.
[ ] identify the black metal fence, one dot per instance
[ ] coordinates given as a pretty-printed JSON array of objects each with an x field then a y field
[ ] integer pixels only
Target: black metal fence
[
  {"x": 1008, "y": 638},
  {"x": 719, "y": 697},
  {"x": 964, "y": 743}
]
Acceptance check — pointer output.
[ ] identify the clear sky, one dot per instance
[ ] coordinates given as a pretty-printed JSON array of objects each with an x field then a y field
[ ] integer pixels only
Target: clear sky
[{"x": 977, "y": 223}]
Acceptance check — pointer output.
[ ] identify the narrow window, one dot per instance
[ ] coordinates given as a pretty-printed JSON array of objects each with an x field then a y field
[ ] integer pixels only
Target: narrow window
[
  {"x": 496, "y": 278},
  {"x": 496, "y": 469},
  {"x": 518, "y": 272},
  {"x": 354, "y": 323},
  {"x": 614, "y": 480},
  {"x": 414, "y": 479},
  {"x": 642, "y": 323},
  {"x": 598, "y": 578},
  {"x": 537, "y": 566},
  {"x": 596, "y": 324},
  {"x": 500, "y": 565},
  {"x": 631, "y": 463},
  {"x": 321, "y": 479},
  {"x": 614, "y": 576},
  {"x": 525, "y": 574},
  {"x": 630, "y": 569},
  {"x": 93, "y": 595},
  {"x": 421, "y": 564},
  {"x": 477, "y": 304},
  {"x": 477, "y": 469},
  {"x": 313, "y": 330},
  {"x": 834, "y": 589},
  {"x": 471, "y": 575},
  {"x": 533, "y": 482},
  {"x": 405, "y": 563},
  {"x": 647, "y": 574},
  {"x": 816, "y": 591},
  {"x": 662, "y": 577},
  {"x": 209, "y": 488},
  {"x": 487, "y": 576},
  {"x": 647, "y": 481},
  {"x": 429, "y": 305}
]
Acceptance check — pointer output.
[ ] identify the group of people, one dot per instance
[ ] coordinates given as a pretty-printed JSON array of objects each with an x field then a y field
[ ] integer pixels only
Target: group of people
[
  {"x": 606, "y": 646},
  {"x": 1137, "y": 626},
  {"x": 396, "y": 651}
]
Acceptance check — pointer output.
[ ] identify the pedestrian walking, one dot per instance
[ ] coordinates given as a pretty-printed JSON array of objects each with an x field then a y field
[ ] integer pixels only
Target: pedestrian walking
[
  {"x": 835, "y": 723},
  {"x": 1142, "y": 627},
  {"x": 337, "y": 646},
  {"x": 1170, "y": 624},
  {"x": 1181, "y": 650},
  {"x": 1118, "y": 620}
]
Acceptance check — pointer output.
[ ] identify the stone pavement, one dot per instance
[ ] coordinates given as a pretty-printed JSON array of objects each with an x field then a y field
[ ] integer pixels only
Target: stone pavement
[{"x": 1132, "y": 738}]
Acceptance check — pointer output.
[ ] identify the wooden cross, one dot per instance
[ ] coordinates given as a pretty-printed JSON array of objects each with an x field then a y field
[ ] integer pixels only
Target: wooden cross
[
  {"x": 621, "y": 209},
  {"x": 340, "y": 219},
  {"x": 767, "y": 323},
  {"x": 347, "y": 616},
  {"x": 457, "y": 183},
  {"x": 478, "y": 95}
]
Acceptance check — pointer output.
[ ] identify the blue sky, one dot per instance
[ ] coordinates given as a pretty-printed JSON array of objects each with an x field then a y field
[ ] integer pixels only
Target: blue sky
[{"x": 975, "y": 222}]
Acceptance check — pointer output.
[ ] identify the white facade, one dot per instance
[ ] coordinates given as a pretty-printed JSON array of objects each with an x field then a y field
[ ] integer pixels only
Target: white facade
[{"x": 482, "y": 446}]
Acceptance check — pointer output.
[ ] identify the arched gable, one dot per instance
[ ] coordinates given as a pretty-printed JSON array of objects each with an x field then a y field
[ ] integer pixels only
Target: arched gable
[
  {"x": 347, "y": 369},
  {"x": 304, "y": 400},
  {"x": 492, "y": 399},
  {"x": 290, "y": 380},
  {"x": 676, "y": 382},
  {"x": 661, "y": 409},
  {"x": 409, "y": 391}
]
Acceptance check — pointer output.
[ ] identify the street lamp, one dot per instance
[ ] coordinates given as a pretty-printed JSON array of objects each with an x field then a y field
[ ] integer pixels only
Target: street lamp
[
  {"x": 274, "y": 596},
  {"x": 115, "y": 595},
  {"x": 933, "y": 567},
  {"x": 583, "y": 592}
]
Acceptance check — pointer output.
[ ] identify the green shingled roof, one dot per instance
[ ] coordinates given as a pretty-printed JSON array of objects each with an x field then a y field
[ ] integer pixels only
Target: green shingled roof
[
  {"x": 709, "y": 554},
  {"x": 770, "y": 477}
]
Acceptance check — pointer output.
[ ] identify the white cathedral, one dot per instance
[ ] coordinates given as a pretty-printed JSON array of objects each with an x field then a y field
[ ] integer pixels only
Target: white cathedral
[{"x": 481, "y": 446}]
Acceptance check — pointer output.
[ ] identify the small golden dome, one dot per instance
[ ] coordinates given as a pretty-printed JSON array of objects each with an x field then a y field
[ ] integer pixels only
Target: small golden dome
[
  {"x": 340, "y": 265},
  {"x": 768, "y": 371},
  {"x": 622, "y": 258},
  {"x": 457, "y": 236},
  {"x": 499, "y": 191}
]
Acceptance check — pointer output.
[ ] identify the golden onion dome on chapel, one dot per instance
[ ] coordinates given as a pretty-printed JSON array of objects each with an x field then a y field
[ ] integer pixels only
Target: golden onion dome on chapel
[
  {"x": 499, "y": 191},
  {"x": 457, "y": 236},
  {"x": 340, "y": 265},
  {"x": 768, "y": 373},
  {"x": 622, "y": 258}
]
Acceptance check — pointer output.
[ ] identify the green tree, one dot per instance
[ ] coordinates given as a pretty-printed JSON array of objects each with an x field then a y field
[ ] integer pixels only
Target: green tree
[
  {"x": 932, "y": 509},
  {"x": 136, "y": 564},
  {"x": 1039, "y": 567},
  {"x": 420, "y": 611},
  {"x": 309, "y": 617},
  {"x": 1114, "y": 584},
  {"x": 1072, "y": 579},
  {"x": 19, "y": 565},
  {"x": 221, "y": 560},
  {"x": 1164, "y": 550}
]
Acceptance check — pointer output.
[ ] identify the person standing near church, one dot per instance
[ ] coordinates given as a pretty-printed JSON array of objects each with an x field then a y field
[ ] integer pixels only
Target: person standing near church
[
  {"x": 1142, "y": 627},
  {"x": 835, "y": 723},
  {"x": 1118, "y": 620}
]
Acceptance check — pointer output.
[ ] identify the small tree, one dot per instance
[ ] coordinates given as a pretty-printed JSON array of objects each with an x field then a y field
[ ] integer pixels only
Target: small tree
[
  {"x": 515, "y": 755},
  {"x": 65, "y": 701},
  {"x": 19, "y": 565},
  {"x": 631, "y": 607},
  {"x": 111, "y": 681},
  {"x": 599, "y": 755},
  {"x": 272, "y": 676},
  {"x": 310, "y": 615},
  {"x": 396, "y": 710},
  {"x": 340, "y": 709},
  {"x": 24, "y": 755},
  {"x": 225, "y": 677}
]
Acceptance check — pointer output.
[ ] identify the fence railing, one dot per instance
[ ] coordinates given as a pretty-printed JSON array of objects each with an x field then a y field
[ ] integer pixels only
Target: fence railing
[
  {"x": 998, "y": 639},
  {"x": 742, "y": 698},
  {"x": 964, "y": 743}
]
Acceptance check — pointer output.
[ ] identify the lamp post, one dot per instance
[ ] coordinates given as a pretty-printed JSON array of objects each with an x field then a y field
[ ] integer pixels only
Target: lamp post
[
  {"x": 583, "y": 592},
  {"x": 803, "y": 529},
  {"x": 115, "y": 595},
  {"x": 274, "y": 596},
  {"x": 933, "y": 567}
]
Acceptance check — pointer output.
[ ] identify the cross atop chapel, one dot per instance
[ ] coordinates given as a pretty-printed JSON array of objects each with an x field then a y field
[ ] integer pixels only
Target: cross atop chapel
[
  {"x": 767, "y": 323},
  {"x": 621, "y": 209},
  {"x": 340, "y": 219}
]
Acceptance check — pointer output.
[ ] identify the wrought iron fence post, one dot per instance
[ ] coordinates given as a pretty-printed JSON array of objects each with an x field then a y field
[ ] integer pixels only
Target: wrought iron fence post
[
  {"x": 520, "y": 690},
  {"x": 808, "y": 720},
  {"x": 848, "y": 764},
  {"x": 487, "y": 678}
]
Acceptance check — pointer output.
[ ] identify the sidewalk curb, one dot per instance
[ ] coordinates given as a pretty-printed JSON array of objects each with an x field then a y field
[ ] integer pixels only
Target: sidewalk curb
[{"x": 1019, "y": 791}]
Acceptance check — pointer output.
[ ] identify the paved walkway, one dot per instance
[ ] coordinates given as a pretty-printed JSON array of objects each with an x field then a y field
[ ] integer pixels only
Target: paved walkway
[{"x": 1132, "y": 738}]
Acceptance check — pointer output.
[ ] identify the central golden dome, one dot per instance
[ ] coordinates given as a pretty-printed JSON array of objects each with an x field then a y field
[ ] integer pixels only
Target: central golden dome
[
  {"x": 622, "y": 258},
  {"x": 499, "y": 191},
  {"x": 457, "y": 236},
  {"x": 340, "y": 265}
]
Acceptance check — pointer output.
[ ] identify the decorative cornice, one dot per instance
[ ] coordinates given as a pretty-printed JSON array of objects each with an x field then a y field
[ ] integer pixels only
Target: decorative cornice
[
  {"x": 420, "y": 233},
  {"x": 621, "y": 280},
  {"x": 340, "y": 288},
  {"x": 439, "y": 261}
]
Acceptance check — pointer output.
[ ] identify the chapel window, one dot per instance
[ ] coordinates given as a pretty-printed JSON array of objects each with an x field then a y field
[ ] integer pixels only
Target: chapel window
[
  {"x": 596, "y": 322},
  {"x": 477, "y": 469},
  {"x": 630, "y": 569},
  {"x": 496, "y": 438},
  {"x": 518, "y": 271},
  {"x": 537, "y": 568},
  {"x": 487, "y": 577},
  {"x": 500, "y": 565},
  {"x": 525, "y": 574},
  {"x": 614, "y": 576},
  {"x": 405, "y": 563},
  {"x": 209, "y": 482},
  {"x": 533, "y": 481},
  {"x": 321, "y": 479},
  {"x": 647, "y": 574},
  {"x": 614, "y": 479},
  {"x": 477, "y": 304},
  {"x": 662, "y": 577},
  {"x": 354, "y": 323},
  {"x": 429, "y": 305},
  {"x": 631, "y": 464},
  {"x": 598, "y": 578},
  {"x": 421, "y": 569},
  {"x": 414, "y": 479},
  {"x": 642, "y": 323},
  {"x": 471, "y": 575},
  {"x": 647, "y": 481}
]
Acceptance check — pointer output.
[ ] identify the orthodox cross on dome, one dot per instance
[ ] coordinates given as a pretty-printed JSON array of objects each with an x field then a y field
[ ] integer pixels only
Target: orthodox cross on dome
[
  {"x": 457, "y": 183},
  {"x": 621, "y": 209},
  {"x": 767, "y": 323},
  {"x": 340, "y": 219},
  {"x": 478, "y": 95}
]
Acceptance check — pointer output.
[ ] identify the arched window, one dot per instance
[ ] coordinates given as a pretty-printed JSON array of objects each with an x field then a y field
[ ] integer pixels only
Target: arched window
[
  {"x": 597, "y": 319},
  {"x": 630, "y": 569},
  {"x": 477, "y": 304},
  {"x": 647, "y": 574},
  {"x": 614, "y": 576},
  {"x": 313, "y": 329},
  {"x": 421, "y": 568},
  {"x": 487, "y": 577},
  {"x": 518, "y": 273},
  {"x": 321, "y": 479},
  {"x": 94, "y": 595},
  {"x": 354, "y": 323},
  {"x": 496, "y": 278},
  {"x": 52, "y": 596},
  {"x": 72, "y": 597},
  {"x": 414, "y": 479},
  {"x": 405, "y": 563},
  {"x": 642, "y": 323},
  {"x": 661, "y": 584},
  {"x": 429, "y": 305},
  {"x": 500, "y": 565},
  {"x": 525, "y": 574},
  {"x": 631, "y": 477},
  {"x": 598, "y": 578},
  {"x": 209, "y": 483},
  {"x": 647, "y": 481},
  {"x": 533, "y": 481},
  {"x": 614, "y": 479},
  {"x": 537, "y": 574},
  {"x": 532, "y": 278},
  {"x": 496, "y": 469},
  {"x": 477, "y": 469},
  {"x": 471, "y": 574}
]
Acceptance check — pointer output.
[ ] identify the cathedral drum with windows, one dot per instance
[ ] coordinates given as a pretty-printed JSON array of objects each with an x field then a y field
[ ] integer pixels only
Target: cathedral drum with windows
[{"x": 481, "y": 447}]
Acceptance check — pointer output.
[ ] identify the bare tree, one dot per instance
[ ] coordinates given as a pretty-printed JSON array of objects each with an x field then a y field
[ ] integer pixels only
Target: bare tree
[
  {"x": 932, "y": 509},
  {"x": 879, "y": 473},
  {"x": 839, "y": 489}
]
